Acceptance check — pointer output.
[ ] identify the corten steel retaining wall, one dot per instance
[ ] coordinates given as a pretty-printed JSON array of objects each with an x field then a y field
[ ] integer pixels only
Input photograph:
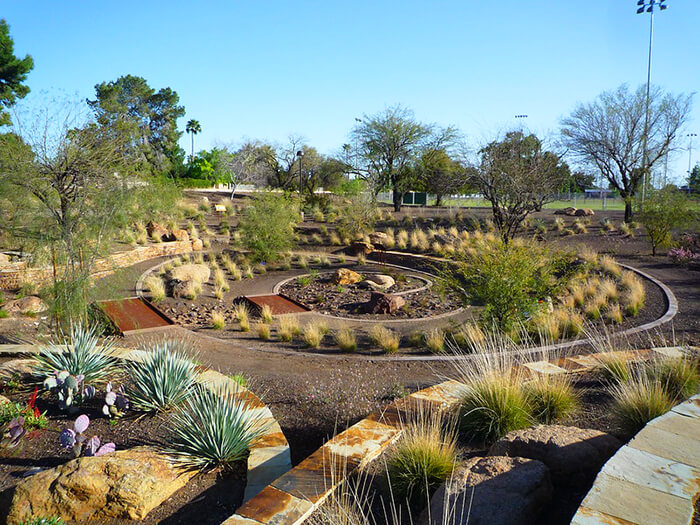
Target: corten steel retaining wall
[{"x": 13, "y": 277}]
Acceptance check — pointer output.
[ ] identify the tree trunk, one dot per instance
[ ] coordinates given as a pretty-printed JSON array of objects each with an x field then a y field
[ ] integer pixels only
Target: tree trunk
[
  {"x": 628, "y": 210},
  {"x": 398, "y": 198},
  {"x": 438, "y": 200}
]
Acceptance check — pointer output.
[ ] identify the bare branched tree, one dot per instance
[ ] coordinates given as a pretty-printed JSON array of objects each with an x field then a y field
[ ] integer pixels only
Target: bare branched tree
[
  {"x": 608, "y": 134},
  {"x": 517, "y": 177}
]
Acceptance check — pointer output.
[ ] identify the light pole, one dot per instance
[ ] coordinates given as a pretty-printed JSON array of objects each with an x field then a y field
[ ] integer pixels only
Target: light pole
[
  {"x": 690, "y": 149},
  {"x": 357, "y": 153},
  {"x": 648, "y": 7},
  {"x": 300, "y": 156},
  {"x": 521, "y": 118}
]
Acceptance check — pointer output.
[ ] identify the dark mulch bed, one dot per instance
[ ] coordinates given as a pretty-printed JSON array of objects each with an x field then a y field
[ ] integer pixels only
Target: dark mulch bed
[
  {"x": 322, "y": 295},
  {"x": 207, "y": 498}
]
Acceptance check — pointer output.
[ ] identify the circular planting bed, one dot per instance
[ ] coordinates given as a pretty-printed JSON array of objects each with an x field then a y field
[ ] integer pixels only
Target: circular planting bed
[{"x": 329, "y": 294}]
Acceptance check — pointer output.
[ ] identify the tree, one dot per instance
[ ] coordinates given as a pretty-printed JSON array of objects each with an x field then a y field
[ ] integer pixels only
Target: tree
[
  {"x": 66, "y": 191},
  {"x": 608, "y": 135},
  {"x": 694, "y": 178},
  {"x": 147, "y": 118},
  {"x": 267, "y": 225},
  {"x": 517, "y": 177},
  {"x": 390, "y": 143},
  {"x": 441, "y": 175},
  {"x": 193, "y": 127},
  {"x": 577, "y": 182},
  {"x": 663, "y": 211},
  {"x": 13, "y": 72}
]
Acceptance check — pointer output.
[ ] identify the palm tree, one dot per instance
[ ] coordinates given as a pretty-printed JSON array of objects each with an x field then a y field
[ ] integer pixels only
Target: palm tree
[{"x": 193, "y": 127}]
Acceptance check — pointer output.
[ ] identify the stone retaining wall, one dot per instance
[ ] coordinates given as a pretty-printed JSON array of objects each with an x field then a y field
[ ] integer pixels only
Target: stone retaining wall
[{"x": 13, "y": 277}]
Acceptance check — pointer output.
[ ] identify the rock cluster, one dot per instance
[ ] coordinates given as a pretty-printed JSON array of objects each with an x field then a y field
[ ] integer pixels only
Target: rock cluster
[
  {"x": 383, "y": 303},
  {"x": 574, "y": 212}
]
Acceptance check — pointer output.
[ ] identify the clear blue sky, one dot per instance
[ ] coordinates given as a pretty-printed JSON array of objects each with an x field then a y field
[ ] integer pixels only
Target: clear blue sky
[{"x": 265, "y": 69}]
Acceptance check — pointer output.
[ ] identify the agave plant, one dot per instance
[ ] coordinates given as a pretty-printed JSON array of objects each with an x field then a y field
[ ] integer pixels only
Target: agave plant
[
  {"x": 164, "y": 379},
  {"x": 81, "y": 355},
  {"x": 215, "y": 428}
]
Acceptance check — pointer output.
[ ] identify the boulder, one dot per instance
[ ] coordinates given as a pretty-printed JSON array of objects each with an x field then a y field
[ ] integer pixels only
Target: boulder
[
  {"x": 346, "y": 276},
  {"x": 180, "y": 235},
  {"x": 573, "y": 455},
  {"x": 198, "y": 273},
  {"x": 126, "y": 484},
  {"x": 492, "y": 491},
  {"x": 589, "y": 212},
  {"x": 181, "y": 289},
  {"x": 380, "y": 281},
  {"x": 383, "y": 303},
  {"x": 378, "y": 239},
  {"x": 583, "y": 212},
  {"x": 23, "y": 368},
  {"x": 197, "y": 245},
  {"x": 566, "y": 211},
  {"x": 360, "y": 248},
  {"x": 157, "y": 231},
  {"x": 4, "y": 259},
  {"x": 26, "y": 305}
]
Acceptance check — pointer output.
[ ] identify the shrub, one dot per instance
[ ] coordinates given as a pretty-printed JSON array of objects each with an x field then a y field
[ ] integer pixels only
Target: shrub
[
  {"x": 493, "y": 405},
  {"x": 679, "y": 377},
  {"x": 263, "y": 330},
  {"x": 384, "y": 338},
  {"x": 662, "y": 212},
  {"x": 580, "y": 227},
  {"x": 313, "y": 335},
  {"x": 345, "y": 339},
  {"x": 626, "y": 230},
  {"x": 435, "y": 340},
  {"x": 218, "y": 321},
  {"x": 214, "y": 429},
  {"x": 220, "y": 280},
  {"x": 422, "y": 459},
  {"x": 4, "y": 314},
  {"x": 83, "y": 355},
  {"x": 155, "y": 287},
  {"x": 637, "y": 401},
  {"x": 633, "y": 299},
  {"x": 242, "y": 315},
  {"x": 559, "y": 224},
  {"x": 267, "y": 225},
  {"x": 163, "y": 379},
  {"x": 266, "y": 314},
  {"x": 551, "y": 398},
  {"x": 608, "y": 289},
  {"x": 289, "y": 327}
]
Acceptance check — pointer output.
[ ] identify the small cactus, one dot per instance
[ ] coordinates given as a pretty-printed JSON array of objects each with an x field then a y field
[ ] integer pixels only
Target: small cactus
[
  {"x": 116, "y": 403},
  {"x": 75, "y": 439}
]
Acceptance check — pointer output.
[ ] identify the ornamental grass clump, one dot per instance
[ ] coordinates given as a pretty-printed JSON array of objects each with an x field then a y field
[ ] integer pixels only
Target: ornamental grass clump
[
  {"x": 637, "y": 401},
  {"x": 610, "y": 266},
  {"x": 435, "y": 341},
  {"x": 551, "y": 398},
  {"x": 423, "y": 458},
  {"x": 79, "y": 354},
  {"x": 345, "y": 339},
  {"x": 155, "y": 287},
  {"x": 242, "y": 315},
  {"x": 266, "y": 314},
  {"x": 214, "y": 429},
  {"x": 632, "y": 299},
  {"x": 313, "y": 335},
  {"x": 614, "y": 367},
  {"x": 288, "y": 327},
  {"x": 163, "y": 379},
  {"x": 679, "y": 376},
  {"x": 263, "y": 330},
  {"x": 218, "y": 321},
  {"x": 385, "y": 338}
]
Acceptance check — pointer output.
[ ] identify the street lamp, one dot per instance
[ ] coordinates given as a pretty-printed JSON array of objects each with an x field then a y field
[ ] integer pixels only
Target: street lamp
[
  {"x": 300, "y": 156},
  {"x": 647, "y": 6},
  {"x": 357, "y": 153},
  {"x": 690, "y": 148}
]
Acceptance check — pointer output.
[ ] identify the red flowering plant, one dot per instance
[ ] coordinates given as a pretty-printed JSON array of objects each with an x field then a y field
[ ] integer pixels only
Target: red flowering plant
[{"x": 33, "y": 418}]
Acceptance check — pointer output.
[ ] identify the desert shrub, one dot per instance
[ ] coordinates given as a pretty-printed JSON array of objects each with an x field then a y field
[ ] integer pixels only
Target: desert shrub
[
  {"x": 579, "y": 226},
  {"x": 345, "y": 339},
  {"x": 492, "y": 405},
  {"x": 663, "y": 211},
  {"x": 83, "y": 354},
  {"x": 214, "y": 429},
  {"x": 163, "y": 379},
  {"x": 637, "y": 401},
  {"x": 422, "y": 459},
  {"x": 218, "y": 321},
  {"x": 613, "y": 313},
  {"x": 242, "y": 315},
  {"x": 313, "y": 335},
  {"x": 551, "y": 398},
  {"x": 384, "y": 338},
  {"x": 155, "y": 287},
  {"x": 435, "y": 340},
  {"x": 626, "y": 230},
  {"x": 267, "y": 225},
  {"x": 559, "y": 224},
  {"x": 358, "y": 214},
  {"x": 508, "y": 279}
]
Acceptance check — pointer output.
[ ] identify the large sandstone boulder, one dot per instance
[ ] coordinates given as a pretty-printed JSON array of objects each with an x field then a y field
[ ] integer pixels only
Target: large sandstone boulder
[
  {"x": 378, "y": 239},
  {"x": 198, "y": 273},
  {"x": 4, "y": 259},
  {"x": 383, "y": 303},
  {"x": 126, "y": 484},
  {"x": 584, "y": 212},
  {"x": 492, "y": 491},
  {"x": 181, "y": 235},
  {"x": 360, "y": 248},
  {"x": 197, "y": 245},
  {"x": 574, "y": 455},
  {"x": 157, "y": 231},
  {"x": 26, "y": 305},
  {"x": 380, "y": 281},
  {"x": 23, "y": 368},
  {"x": 182, "y": 289},
  {"x": 346, "y": 276}
]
